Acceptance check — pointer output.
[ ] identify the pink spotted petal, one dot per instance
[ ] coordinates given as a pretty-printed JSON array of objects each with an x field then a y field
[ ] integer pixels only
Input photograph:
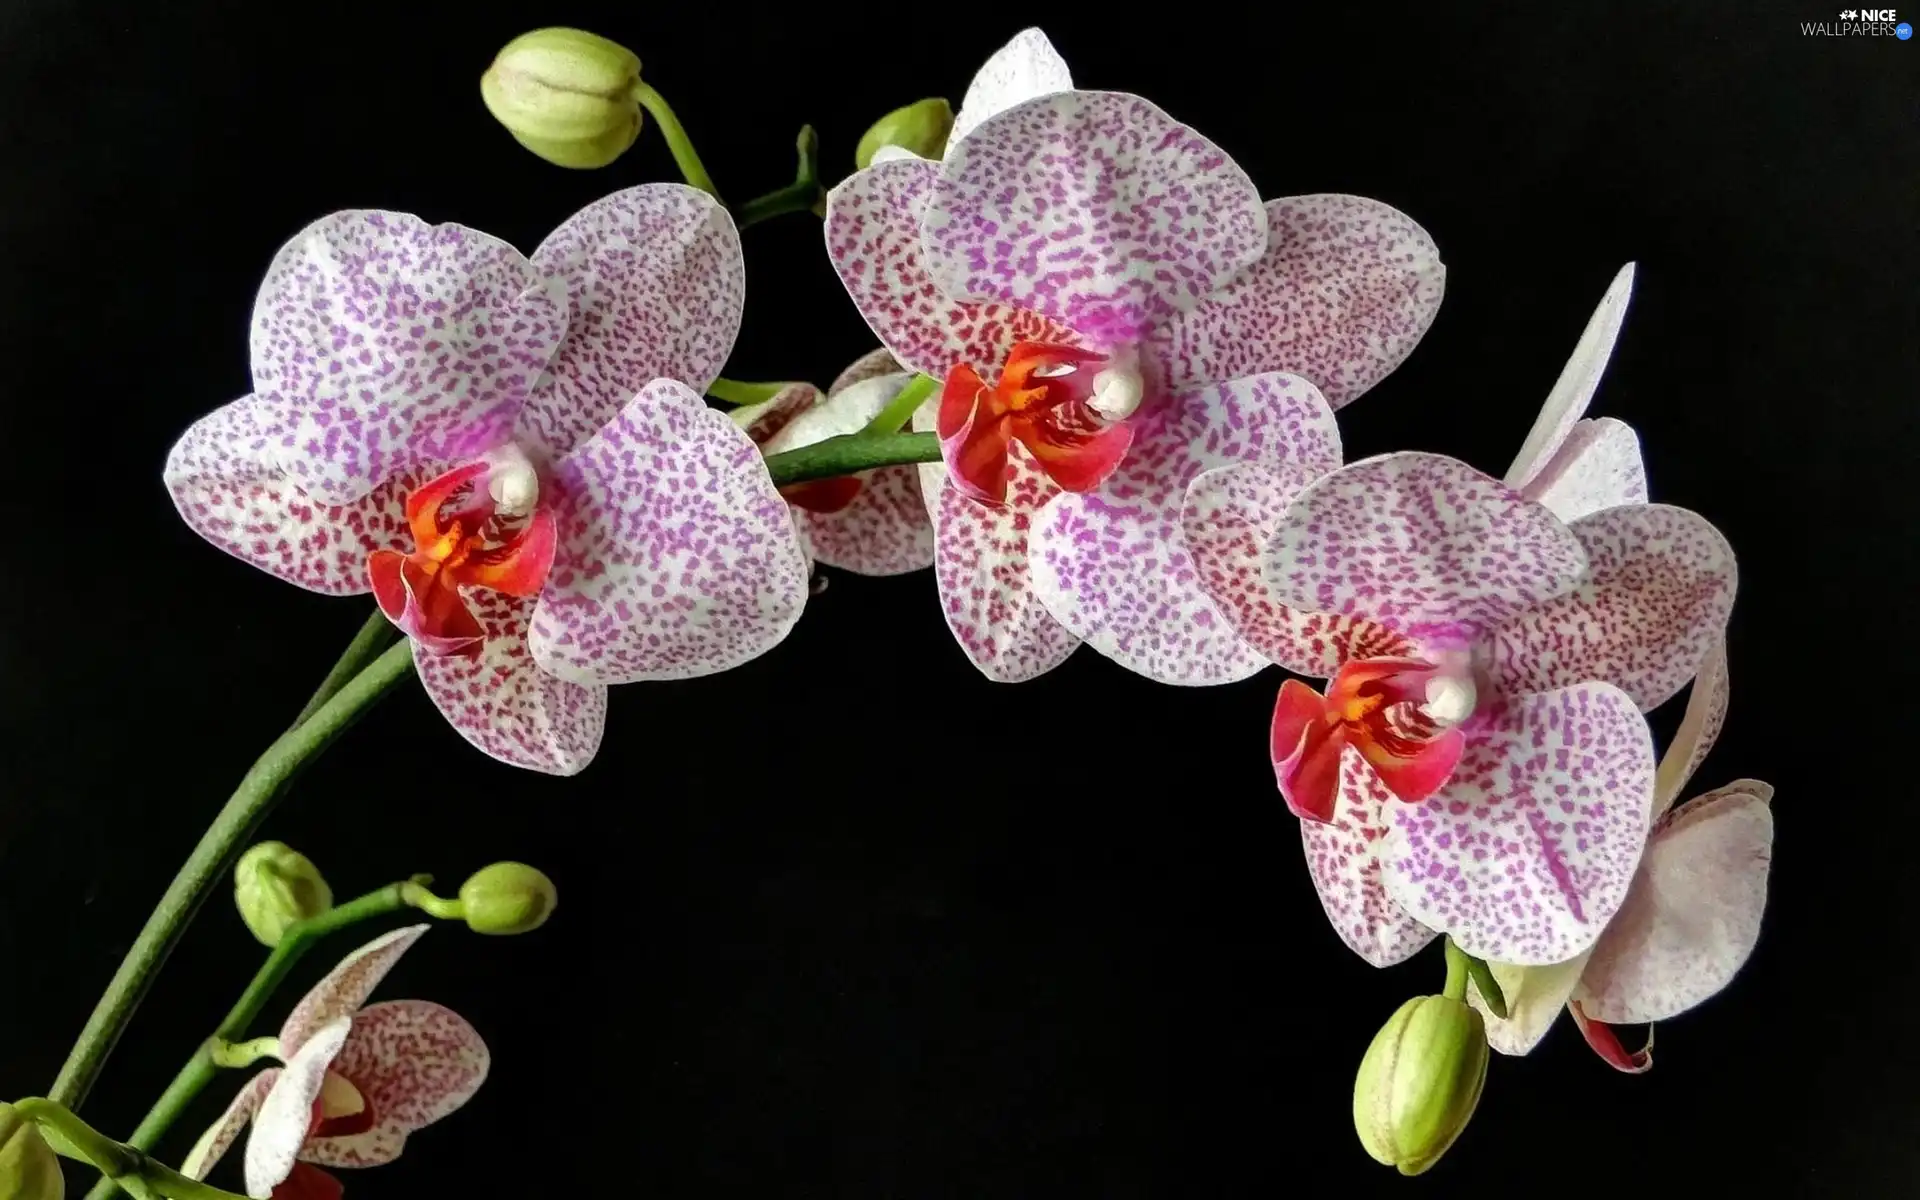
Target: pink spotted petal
[
  {"x": 657, "y": 286},
  {"x": 873, "y": 240},
  {"x": 677, "y": 555},
  {"x": 286, "y": 1112},
  {"x": 1597, "y": 467},
  {"x": 1094, "y": 209},
  {"x": 1113, "y": 565},
  {"x": 885, "y": 531},
  {"x": 224, "y": 1132},
  {"x": 1344, "y": 292},
  {"x": 1341, "y": 858},
  {"x": 763, "y": 422},
  {"x": 1699, "y": 729},
  {"x": 1579, "y": 379},
  {"x": 1421, "y": 543},
  {"x": 346, "y": 987},
  {"x": 1655, "y": 603},
  {"x": 1693, "y": 915},
  {"x": 870, "y": 365},
  {"x": 415, "y": 1063},
  {"x": 384, "y": 342},
  {"x": 505, "y": 705},
  {"x": 1535, "y": 996},
  {"x": 1529, "y": 849},
  {"x": 1025, "y": 67}
]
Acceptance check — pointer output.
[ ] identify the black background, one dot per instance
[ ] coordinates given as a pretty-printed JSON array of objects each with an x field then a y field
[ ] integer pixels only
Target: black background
[{"x": 852, "y": 921}]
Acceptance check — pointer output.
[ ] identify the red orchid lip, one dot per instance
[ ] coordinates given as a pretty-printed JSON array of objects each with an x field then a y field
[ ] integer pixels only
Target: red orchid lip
[
  {"x": 1045, "y": 401},
  {"x": 1376, "y": 706}
]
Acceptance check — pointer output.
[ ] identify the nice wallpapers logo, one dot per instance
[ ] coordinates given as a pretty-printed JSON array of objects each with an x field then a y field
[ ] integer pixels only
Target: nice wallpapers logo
[{"x": 1860, "y": 22}]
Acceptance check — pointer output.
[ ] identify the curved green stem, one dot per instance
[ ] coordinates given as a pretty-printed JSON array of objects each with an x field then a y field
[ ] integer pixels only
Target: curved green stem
[
  {"x": 684, "y": 155},
  {"x": 1487, "y": 986},
  {"x": 804, "y": 194},
  {"x": 734, "y": 391},
  {"x": 211, "y": 858},
  {"x": 851, "y": 452},
  {"x": 1456, "y": 986},
  {"x": 376, "y": 635},
  {"x": 124, "y": 1165},
  {"x": 894, "y": 417}
]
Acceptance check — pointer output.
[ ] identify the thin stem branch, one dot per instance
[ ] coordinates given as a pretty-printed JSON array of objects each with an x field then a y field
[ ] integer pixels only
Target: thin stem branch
[
  {"x": 1456, "y": 986},
  {"x": 375, "y": 636},
  {"x": 804, "y": 194},
  {"x": 735, "y": 391},
  {"x": 684, "y": 155},
  {"x": 849, "y": 453},
  {"x": 125, "y": 1166},
  {"x": 894, "y": 417}
]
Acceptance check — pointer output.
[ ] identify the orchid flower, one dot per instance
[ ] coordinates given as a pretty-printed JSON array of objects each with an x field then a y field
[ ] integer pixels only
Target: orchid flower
[
  {"x": 358, "y": 1078},
  {"x": 1113, "y": 311},
  {"x": 873, "y": 523},
  {"x": 1027, "y": 66},
  {"x": 513, "y": 455}
]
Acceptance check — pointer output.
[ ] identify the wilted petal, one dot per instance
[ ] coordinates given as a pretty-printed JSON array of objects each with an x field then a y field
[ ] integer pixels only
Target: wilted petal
[
  {"x": 1529, "y": 849},
  {"x": 657, "y": 284},
  {"x": 1579, "y": 379},
  {"x": 221, "y": 1135},
  {"x": 505, "y": 705},
  {"x": 870, "y": 365},
  {"x": 1344, "y": 292},
  {"x": 873, "y": 239},
  {"x": 982, "y": 567},
  {"x": 1699, "y": 729},
  {"x": 1597, "y": 467},
  {"x": 346, "y": 987},
  {"x": 1112, "y": 565},
  {"x": 1656, "y": 601},
  {"x": 1693, "y": 915},
  {"x": 414, "y": 1062},
  {"x": 1025, "y": 67},
  {"x": 286, "y": 1113},
  {"x": 1341, "y": 858},
  {"x": 1535, "y": 996},
  {"x": 224, "y": 482},
  {"x": 1095, "y": 209},
  {"x": 1418, "y": 542},
  {"x": 885, "y": 531},
  {"x": 677, "y": 555},
  {"x": 385, "y": 342}
]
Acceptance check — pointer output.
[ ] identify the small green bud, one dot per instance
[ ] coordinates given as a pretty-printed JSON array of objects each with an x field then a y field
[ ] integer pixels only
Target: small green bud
[
  {"x": 28, "y": 1169},
  {"x": 274, "y": 886},
  {"x": 507, "y": 897},
  {"x": 1420, "y": 1082},
  {"x": 567, "y": 95},
  {"x": 921, "y": 127}
]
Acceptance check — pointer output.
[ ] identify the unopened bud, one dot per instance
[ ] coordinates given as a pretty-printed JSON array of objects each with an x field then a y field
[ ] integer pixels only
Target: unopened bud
[
  {"x": 567, "y": 95},
  {"x": 921, "y": 127},
  {"x": 28, "y": 1169},
  {"x": 274, "y": 886},
  {"x": 507, "y": 897},
  {"x": 1420, "y": 1082}
]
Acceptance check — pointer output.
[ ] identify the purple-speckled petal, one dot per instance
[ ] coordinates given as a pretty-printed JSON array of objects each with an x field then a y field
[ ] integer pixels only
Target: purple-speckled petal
[
  {"x": 1344, "y": 292},
  {"x": 223, "y": 1133},
  {"x": 1341, "y": 858},
  {"x": 1535, "y": 996},
  {"x": 227, "y": 489},
  {"x": 286, "y": 1112},
  {"x": 873, "y": 239},
  {"x": 1421, "y": 543},
  {"x": 1597, "y": 467},
  {"x": 413, "y": 1062},
  {"x": 504, "y": 704},
  {"x": 657, "y": 284},
  {"x": 1228, "y": 517},
  {"x": 1112, "y": 565},
  {"x": 1654, "y": 605},
  {"x": 1579, "y": 379},
  {"x": 1095, "y": 209},
  {"x": 1528, "y": 850},
  {"x": 384, "y": 342},
  {"x": 346, "y": 987},
  {"x": 1025, "y": 67},
  {"x": 1693, "y": 915},
  {"x": 677, "y": 556},
  {"x": 1699, "y": 729}
]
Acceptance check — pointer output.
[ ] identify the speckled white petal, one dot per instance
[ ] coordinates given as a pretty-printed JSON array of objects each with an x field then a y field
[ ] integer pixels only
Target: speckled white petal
[
  {"x": 504, "y": 704},
  {"x": 677, "y": 555},
  {"x": 1654, "y": 604},
  {"x": 1529, "y": 849},
  {"x": 1345, "y": 291},
  {"x": 1597, "y": 467},
  {"x": 871, "y": 365},
  {"x": 1095, "y": 209},
  {"x": 224, "y": 1132},
  {"x": 286, "y": 1113},
  {"x": 1579, "y": 379},
  {"x": 1535, "y": 996},
  {"x": 1694, "y": 913},
  {"x": 1342, "y": 860},
  {"x": 384, "y": 342},
  {"x": 346, "y": 987},
  {"x": 1025, "y": 67},
  {"x": 1421, "y": 543},
  {"x": 1699, "y": 729},
  {"x": 414, "y": 1062}
]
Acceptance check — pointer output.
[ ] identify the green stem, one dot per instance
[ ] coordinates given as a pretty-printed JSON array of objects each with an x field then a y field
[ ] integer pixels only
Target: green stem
[
  {"x": 734, "y": 391},
  {"x": 124, "y": 1165},
  {"x": 850, "y": 453},
  {"x": 804, "y": 194},
  {"x": 211, "y": 858},
  {"x": 376, "y": 635},
  {"x": 1456, "y": 987},
  {"x": 894, "y": 417},
  {"x": 1487, "y": 986},
  {"x": 232, "y": 1056},
  {"x": 691, "y": 168}
]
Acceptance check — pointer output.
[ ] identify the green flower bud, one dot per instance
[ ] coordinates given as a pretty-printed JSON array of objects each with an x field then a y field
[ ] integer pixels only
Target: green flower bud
[
  {"x": 28, "y": 1169},
  {"x": 507, "y": 897},
  {"x": 921, "y": 127},
  {"x": 566, "y": 95},
  {"x": 274, "y": 886},
  {"x": 1420, "y": 1082}
]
